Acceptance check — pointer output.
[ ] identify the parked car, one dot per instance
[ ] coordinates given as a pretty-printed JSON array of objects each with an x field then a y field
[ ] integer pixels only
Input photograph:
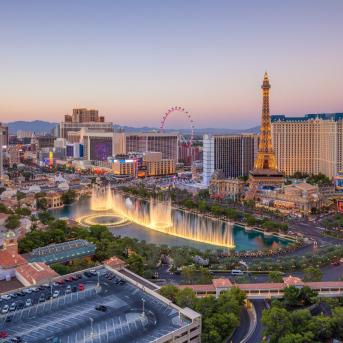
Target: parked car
[
  {"x": 9, "y": 318},
  {"x": 5, "y": 309},
  {"x": 41, "y": 298},
  {"x": 6, "y": 297},
  {"x": 81, "y": 287},
  {"x": 74, "y": 289},
  {"x": 101, "y": 308},
  {"x": 3, "y": 334},
  {"x": 28, "y": 302},
  {"x": 20, "y": 305},
  {"x": 56, "y": 294},
  {"x": 68, "y": 289},
  {"x": 13, "y": 307}
]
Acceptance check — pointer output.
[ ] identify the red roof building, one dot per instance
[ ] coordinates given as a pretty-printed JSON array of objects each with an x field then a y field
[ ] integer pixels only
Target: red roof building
[
  {"x": 115, "y": 263},
  {"x": 34, "y": 273}
]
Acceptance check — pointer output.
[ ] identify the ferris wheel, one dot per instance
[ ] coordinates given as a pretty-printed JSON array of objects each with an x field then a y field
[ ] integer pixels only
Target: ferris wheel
[{"x": 189, "y": 141}]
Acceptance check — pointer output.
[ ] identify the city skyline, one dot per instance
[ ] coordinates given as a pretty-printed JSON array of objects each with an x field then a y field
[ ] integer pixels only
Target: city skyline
[{"x": 133, "y": 61}]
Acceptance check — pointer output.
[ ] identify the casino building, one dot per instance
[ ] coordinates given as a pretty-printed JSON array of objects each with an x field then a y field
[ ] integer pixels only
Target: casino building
[{"x": 310, "y": 144}]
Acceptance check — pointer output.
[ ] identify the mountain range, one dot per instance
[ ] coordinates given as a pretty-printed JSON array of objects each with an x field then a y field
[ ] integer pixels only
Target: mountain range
[{"x": 40, "y": 126}]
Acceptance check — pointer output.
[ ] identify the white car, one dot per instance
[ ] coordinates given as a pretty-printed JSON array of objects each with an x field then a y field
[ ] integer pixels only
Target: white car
[
  {"x": 56, "y": 294},
  {"x": 6, "y": 297},
  {"x": 28, "y": 302},
  {"x": 5, "y": 309}
]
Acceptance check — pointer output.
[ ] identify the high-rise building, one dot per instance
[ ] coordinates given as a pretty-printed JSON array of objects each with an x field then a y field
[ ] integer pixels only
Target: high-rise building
[
  {"x": 166, "y": 143},
  {"x": 233, "y": 155},
  {"x": 3, "y": 134},
  {"x": 3, "y": 142},
  {"x": 13, "y": 152},
  {"x": 188, "y": 154},
  {"x": 84, "y": 118},
  {"x": 21, "y": 134},
  {"x": 265, "y": 170},
  {"x": 310, "y": 144},
  {"x": 99, "y": 145}
]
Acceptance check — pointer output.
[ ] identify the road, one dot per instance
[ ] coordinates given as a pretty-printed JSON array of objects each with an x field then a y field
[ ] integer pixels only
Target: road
[
  {"x": 243, "y": 328},
  {"x": 257, "y": 335}
]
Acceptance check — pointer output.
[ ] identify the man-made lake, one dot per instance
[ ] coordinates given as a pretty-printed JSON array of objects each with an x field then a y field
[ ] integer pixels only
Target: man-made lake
[{"x": 158, "y": 223}]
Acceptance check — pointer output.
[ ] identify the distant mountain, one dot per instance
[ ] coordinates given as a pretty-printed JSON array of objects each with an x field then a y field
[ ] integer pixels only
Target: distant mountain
[
  {"x": 200, "y": 131},
  {"x": 44, "y": 126},
  {"x": 34, "y": 126}
]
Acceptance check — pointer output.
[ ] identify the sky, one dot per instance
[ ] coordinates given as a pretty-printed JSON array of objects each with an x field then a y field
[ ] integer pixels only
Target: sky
[{"x": 132, "y": 60}]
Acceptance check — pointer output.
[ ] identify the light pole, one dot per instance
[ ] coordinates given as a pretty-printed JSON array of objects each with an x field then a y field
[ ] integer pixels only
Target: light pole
[
  {"x": 92, "y": 332},
  {"x": 143, "y": 312}
]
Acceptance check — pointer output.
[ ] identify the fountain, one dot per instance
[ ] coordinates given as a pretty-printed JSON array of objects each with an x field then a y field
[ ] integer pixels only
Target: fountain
[
  {"x": 101, "y": 199},
  {"x": 159, "y": 216}
]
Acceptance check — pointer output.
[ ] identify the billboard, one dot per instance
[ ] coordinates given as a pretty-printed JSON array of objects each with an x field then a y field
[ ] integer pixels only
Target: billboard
[
  {"x": 339, "y": 182},
  {"x": 100, "y": 148},
  {"x": 340, "y": 206}
]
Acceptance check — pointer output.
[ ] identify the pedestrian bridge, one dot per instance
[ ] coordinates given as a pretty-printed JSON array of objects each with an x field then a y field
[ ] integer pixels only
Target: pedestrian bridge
[{"x": 330, "y": 289}]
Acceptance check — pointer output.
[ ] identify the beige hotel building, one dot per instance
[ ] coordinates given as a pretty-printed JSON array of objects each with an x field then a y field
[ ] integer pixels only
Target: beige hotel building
[{"x": 310, "y": 144}]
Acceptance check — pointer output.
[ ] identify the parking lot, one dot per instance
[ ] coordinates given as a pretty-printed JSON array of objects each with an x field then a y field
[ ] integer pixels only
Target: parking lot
[{"x": 112, "y": 311}]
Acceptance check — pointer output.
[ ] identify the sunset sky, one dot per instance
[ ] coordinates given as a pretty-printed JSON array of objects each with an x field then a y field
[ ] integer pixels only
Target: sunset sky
[{"x": 134, "y": 59}]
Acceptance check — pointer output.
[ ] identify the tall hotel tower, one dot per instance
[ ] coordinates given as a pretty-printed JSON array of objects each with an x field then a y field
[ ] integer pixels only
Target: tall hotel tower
[{"x": 265, "y": 172}]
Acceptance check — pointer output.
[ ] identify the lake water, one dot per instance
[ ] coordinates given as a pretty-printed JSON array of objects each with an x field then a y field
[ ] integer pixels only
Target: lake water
[{"x": 241, "y": 239}]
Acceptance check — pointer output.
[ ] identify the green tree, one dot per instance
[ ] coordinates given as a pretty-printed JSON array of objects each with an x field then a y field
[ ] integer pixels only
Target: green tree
[
  {"x": 219, "y": 326},
  {"x": 12, "y": 222},
  {"x": 277, "y": 323},
  {"x": 68, "y": 197},
  {"x": 4, "y": 209},
  {"x": 300, "y": 320},
  {"x": 42, "y": 203},
  {"x": 306, "y": 337},
  {"x": 307, "y": 296},
  {"x": 136, "y": 264},
  {"x": 20, "y": 195},
  {"x": 275, "y": 276},
  {"x": 291, "y": 296},
  {"x": 60, "y": 268},
  {"x": 45, "y": 217},
  {"x": 188, "y": 273},
  {"x": 322, "y": 327},
  {"x": 23, "y": 211},
  {"x": 312, "y": 274},
  {"x": 337, "y": 322},
  {"x": 186, "y": 298},
  {"x": 170, "y": 292}
]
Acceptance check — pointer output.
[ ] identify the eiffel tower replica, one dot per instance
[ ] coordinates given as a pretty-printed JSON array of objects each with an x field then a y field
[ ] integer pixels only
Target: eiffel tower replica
[{"x": 265, "y": 172}]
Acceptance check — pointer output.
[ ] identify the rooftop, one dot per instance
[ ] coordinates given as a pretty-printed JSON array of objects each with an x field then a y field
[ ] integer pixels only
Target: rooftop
[
  {"x": 35, "y": 273},
  {"x": 306, "y": 117},
  {"x": 10, "y": 259},
  {"x": 128, "y": 313},
  {"x": 62, "y": 251}
]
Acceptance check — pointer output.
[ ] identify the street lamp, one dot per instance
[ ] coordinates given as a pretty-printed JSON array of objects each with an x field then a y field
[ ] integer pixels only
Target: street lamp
[
  {"x": 92, "y": 332},
  {"x": 143, "y": 312}
]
